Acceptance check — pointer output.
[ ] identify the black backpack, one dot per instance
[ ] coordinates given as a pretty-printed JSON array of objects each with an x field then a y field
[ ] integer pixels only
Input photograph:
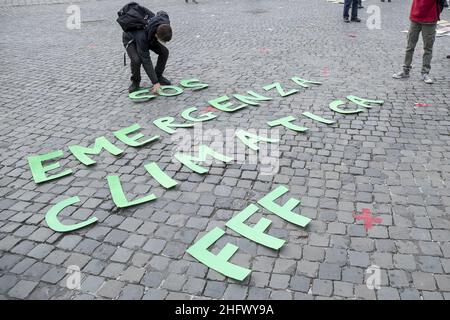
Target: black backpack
[{"x": 133, "y": 17}]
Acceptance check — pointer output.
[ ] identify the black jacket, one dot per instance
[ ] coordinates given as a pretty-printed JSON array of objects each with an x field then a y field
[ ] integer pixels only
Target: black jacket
[{"x": 145, "y": 39}]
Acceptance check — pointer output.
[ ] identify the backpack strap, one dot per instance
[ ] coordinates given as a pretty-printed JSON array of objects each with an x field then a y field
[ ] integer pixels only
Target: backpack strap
[{"x": 124, "y": 54}]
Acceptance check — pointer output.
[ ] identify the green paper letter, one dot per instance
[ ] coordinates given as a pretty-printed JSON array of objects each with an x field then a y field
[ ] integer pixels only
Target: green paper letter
[
  {"x": 122, "y": 135},
  {"x": 335, "y": 107},
  {"x": 364, "y": 102},
  {"x": 160, "y": 176},
  {"x": 252, "y": 98},
  {"x": 51, "y": 217},
  {"x": 164, "y": 88},
  {"x": 216, "y": 103},
  {"x": 166, "y": 124},
  {"x": 284, "y": 212},
  {"x": 100, "y": 143},
  {"x": 250, "y": 139},
  {"x": 255, "y": 233},
  {"x": 119, "y": 197},
  {"x": 317, "y": 118},
  {"x": 186, "y": 114},
  {"x": 141, "y": 95},
  {"x": 204, "y": 151},
  {"x": 191, "y": 83},
  {"x": 38, "y": 170},
  {"x": 219, "y": 262},
  {"x": 286, "y": 122},
  {"x": 304, "y": 83},
  {"x": 281, "y": 92}
]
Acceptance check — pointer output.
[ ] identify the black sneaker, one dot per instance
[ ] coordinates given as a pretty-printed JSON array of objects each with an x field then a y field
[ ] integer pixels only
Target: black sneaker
[
  {"x": 346, "y": 19},
  {"x": 134, "y": 86},
  {"x": 163, "y": 81},
  {"x": 356, "y": 19}
]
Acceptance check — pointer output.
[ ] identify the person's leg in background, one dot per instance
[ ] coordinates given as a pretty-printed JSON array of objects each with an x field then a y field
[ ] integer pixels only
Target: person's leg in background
[
  {"x": 355, "y": 11},
  {"x": 347, "y": 5},
  {"x": 413, "y": 37},
  {"x": 428, "y": 37}
]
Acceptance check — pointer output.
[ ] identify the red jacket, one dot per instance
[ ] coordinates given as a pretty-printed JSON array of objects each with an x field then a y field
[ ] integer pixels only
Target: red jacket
[{"x": 425, "y": 11}]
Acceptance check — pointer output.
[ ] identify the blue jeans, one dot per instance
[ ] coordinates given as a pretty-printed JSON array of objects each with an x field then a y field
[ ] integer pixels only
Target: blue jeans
[{"x": 354, "y": 5}]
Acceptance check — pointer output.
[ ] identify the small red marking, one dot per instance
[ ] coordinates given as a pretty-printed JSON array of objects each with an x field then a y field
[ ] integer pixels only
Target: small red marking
[
  {"x": 210, "y": 109},
  {"x": 368, "y": 219},
  {"x": 420, "y": 104},
  {"x": 324, "y": 72}
]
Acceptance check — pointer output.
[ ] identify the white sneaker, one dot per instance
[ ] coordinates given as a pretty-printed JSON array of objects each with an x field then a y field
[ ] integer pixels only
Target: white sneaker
[
  {"x": 426, "y": 78},
  {"x": 401, "y": 75}
]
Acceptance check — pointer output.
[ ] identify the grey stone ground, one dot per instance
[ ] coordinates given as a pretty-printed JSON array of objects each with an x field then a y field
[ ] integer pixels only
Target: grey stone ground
[{"x": 61, "y": 87}]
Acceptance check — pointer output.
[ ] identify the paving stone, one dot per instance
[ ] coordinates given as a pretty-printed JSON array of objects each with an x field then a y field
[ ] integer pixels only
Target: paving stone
[
  {"x": 443, "y": 282},
  {"x": 7, "y": 282},
  {"x": 322, "y": 287},
  {"x": 428, "y": 295},
  {"x": 343, "y": 289},
  {"x": 194, "y": 286},
  {"x": 358, "y": 259},
  {"x": 255, "y": 293},
  {"x": 410, "y": 294},
  {"x": 398, "y": 278},
  {"x": 92, "y": 283},
  {"x": 110, "y": 289},
  {"x": 386, "y": 293},
  {"x": 300, "y": 283},
  {"x": 214, "y": 289},
  {"x": 404, "y": 261},
  {"x": 329, "y": 271},
  {"x": 307, "y": 268},
  {"x": 131, "y": 292},
  {"x": 152, "y": 279},
  {"x": 429, "y": 264},
  {"x": 155, "y": 294},
  {"x": 22, "y": 289},
  {"x": 352, "y": 274},
  {"x": 121, "y": 255},
  {"x": 54, "y": 275},
  {"x": 132, "y": 274}
]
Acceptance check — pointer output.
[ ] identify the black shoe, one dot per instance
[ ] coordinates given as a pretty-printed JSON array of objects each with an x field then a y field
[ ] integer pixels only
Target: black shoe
[
  {"x": 346, "y": 19},
  {"x": 356, "y": 19},
  {"x": 134, "y": 86},
  {"x": 448, "y": 57},
  {"x": 163, "y": 81},
  {"x": 360, "y": 7}
]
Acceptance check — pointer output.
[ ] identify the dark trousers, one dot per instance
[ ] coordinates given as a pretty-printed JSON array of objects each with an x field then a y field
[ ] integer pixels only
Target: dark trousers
[
  {"x": 135, "y": 60},
  {"x": 354, "y": 5}
]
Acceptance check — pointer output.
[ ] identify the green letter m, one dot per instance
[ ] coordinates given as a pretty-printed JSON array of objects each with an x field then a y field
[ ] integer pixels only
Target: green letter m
[{"x": 100, "y": 143}]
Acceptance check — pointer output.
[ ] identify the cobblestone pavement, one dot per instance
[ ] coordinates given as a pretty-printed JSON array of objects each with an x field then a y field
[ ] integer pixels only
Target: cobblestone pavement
[{"x": 62, "y": 87}]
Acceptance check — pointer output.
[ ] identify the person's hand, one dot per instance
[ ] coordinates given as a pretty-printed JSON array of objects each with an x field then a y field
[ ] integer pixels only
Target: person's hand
[{"x": 156, "y": 87}]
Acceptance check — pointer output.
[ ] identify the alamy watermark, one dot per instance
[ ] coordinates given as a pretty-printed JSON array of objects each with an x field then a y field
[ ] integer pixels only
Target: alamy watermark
[
  {"x": 73, "y": 21},
  {"x": 374, "y": 20},
  {"x": 229, "y": 143},
  {"x": 73, "y": 281},
  {"x": 374, "y": 280}
]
